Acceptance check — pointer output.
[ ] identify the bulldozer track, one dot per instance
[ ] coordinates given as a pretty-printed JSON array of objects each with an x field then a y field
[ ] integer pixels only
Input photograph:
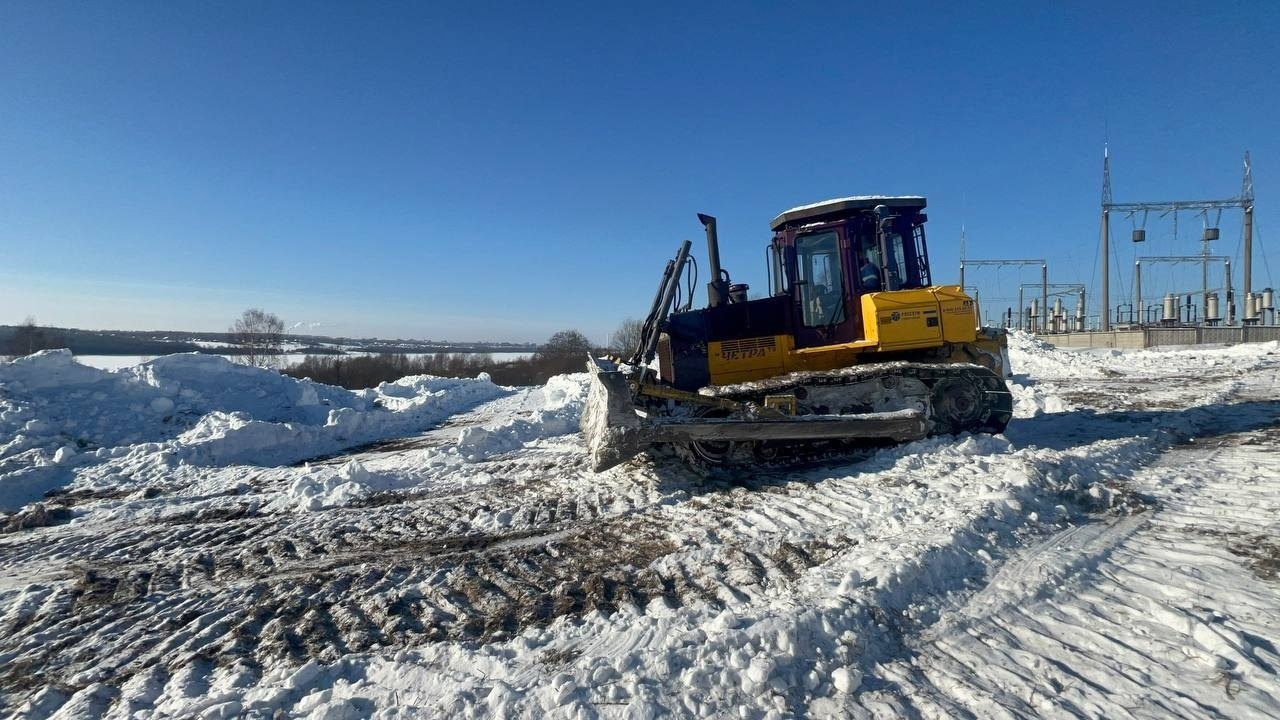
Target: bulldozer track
[
  {"x": 928, "y": 373},
  {"x": 992, "y": 418}
]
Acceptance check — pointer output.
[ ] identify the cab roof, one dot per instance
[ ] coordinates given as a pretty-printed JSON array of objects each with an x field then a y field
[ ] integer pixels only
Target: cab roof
[{"x": 843, "y": 207}]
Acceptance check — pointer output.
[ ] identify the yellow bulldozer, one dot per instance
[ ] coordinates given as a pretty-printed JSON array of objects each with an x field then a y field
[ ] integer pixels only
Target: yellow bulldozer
[{"x": 853, "y": 347}]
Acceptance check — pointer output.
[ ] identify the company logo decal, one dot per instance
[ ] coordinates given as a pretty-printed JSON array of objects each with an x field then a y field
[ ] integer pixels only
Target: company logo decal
[{"x": 747, "y": 348}]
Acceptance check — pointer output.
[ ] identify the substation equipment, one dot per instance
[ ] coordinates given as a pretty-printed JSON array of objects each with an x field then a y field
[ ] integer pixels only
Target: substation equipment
[
  {"x": 1177, "y": 307},
  {"x": 1057, "y": 319}
]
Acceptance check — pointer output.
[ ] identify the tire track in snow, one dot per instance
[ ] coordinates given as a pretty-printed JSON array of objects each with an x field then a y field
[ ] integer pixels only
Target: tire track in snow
[
  {"x": 485, "y": 562},
  {"x": 425, "y": 575},
  {"x": 1145, "y": 617}
]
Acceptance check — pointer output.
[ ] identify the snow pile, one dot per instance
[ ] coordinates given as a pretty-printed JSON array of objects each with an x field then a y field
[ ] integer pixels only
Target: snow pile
[
  {"x": 323, "y": 487},
  {"x": 1193, "y": 359},
  {"x": 1031, "y": 399},
  {"x": 56, "y": 415},
  {"x": 1042, "y": 373},
  {"x": 49, "y": 400},
  {"x": 45, "y": 369},
  {"x": 1032, "y": 357},
  {"x": 559, "y": 414}
]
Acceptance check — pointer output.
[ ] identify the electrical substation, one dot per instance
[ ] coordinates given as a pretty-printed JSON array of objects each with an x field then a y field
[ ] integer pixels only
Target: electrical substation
[{"x": 1176, "y": 287}]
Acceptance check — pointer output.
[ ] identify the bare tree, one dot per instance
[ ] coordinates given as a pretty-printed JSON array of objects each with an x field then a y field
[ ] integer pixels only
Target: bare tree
[
  {"x": 566, "y": 343},
  {"x": 260, "y": 335},
  {"x": 28, "y": 338},
  {"x": 626, "y": 339},
  {"x": 566, "y": 351}
]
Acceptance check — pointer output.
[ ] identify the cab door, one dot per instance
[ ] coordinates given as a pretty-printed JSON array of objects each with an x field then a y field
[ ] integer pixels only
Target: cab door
[{"x": 825, "y": 312}]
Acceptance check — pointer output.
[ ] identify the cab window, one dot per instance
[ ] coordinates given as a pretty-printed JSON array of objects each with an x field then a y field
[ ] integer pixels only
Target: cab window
[
  {"x": 821, "y": 277},
  {"x": 896, "y": 261},
  {"x": 906, "y": 260}
]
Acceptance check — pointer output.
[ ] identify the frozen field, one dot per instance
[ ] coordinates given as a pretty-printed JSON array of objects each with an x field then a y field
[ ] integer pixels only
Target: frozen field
[
  {"x": 115, "y": 362},
  {"x": 192, "y": 538}
]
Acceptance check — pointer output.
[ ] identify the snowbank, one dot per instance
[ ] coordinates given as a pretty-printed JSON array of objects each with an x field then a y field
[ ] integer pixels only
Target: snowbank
[
  {"x": 48, "y": 400},
  {"x": 1033, "y": 357},
  {"x": 1042, "y": 373},
  {"x": 559, "y": 414},
  {"x": 56, "y": 415},
  {"x": 325, "y": 487}
]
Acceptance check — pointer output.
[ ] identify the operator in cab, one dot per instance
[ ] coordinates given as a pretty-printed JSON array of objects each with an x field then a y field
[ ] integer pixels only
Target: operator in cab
[{"x": 869, "y": 275}]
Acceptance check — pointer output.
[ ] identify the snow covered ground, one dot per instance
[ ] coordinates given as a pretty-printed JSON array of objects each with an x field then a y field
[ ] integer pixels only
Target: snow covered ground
[
  {"x": 190, "y": 538},
  {"x": 116, "y": 362}
]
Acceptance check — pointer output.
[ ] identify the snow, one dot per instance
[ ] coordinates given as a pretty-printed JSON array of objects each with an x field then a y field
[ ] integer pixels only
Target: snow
[
  {"x": 560, "y": 413},
  {"x": 116, "y": 362},
  {"x": 852, "y": 198},
  {"x": 227, "y": 542},
  {"x": 194, "y": 409}
]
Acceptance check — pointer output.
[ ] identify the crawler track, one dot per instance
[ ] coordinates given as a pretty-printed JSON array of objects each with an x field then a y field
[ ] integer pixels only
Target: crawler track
[{"x": 956, "y": 398}]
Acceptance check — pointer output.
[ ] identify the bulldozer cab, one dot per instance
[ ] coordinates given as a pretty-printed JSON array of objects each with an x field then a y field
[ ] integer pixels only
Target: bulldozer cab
[
  {"x": 827, "y": 256},
  {"x": 848, "y": 278}
]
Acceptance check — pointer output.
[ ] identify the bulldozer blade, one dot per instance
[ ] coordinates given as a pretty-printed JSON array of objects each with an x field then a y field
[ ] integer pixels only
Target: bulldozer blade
[{"x": 613, "y": 430}]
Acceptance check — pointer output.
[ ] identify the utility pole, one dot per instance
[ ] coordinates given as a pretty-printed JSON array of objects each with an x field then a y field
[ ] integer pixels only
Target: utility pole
[
  {"x": 1044, "y": 297},
  {"x": 1106, "y": 239},
  {"x": 1246, "y": 197}
]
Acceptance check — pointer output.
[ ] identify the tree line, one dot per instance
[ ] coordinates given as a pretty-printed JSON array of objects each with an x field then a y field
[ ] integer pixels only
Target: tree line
[
  {"x": 259, "y": 338},
  {"x": 30, "y": 338},
  {"x": 565, "y": 352}
]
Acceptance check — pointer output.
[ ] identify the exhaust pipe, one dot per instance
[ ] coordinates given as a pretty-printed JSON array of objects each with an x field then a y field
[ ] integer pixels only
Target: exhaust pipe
[{"x": 718, "y": 288}]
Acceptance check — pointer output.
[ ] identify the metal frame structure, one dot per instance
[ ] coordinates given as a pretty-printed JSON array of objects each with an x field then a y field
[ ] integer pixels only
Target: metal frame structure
[
  {"x": 1044, "y": 280},
  {"x": 1244, "y": 202}
]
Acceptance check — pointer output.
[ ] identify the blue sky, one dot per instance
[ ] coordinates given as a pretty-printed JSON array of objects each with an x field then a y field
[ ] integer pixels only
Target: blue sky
[{"x": 479, "y": 171}]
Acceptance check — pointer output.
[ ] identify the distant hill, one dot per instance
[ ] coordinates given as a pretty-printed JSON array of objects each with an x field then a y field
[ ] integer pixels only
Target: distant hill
[{"x": 165, "y": 342}]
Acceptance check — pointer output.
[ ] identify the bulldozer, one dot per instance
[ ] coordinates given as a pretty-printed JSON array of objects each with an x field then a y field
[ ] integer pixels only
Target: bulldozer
[{"x": 852, "y": 347}]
